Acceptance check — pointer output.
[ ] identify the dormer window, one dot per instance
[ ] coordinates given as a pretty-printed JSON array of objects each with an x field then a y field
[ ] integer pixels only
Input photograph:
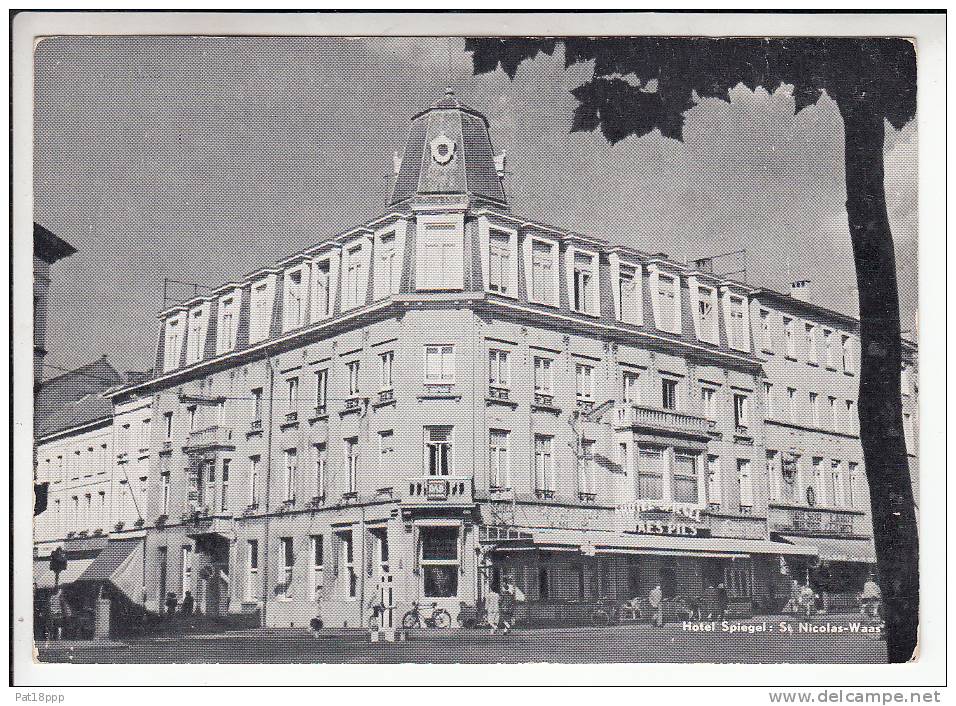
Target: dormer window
[
  {"x": 293, "y": 307},
  {"x": 263, "y": 295},
  {"x": 738, "y": 329},
  {"x": 811, "y": 335},
  {"x": 196, "y": 340},
  {"x": 355, "y": 276},
  {"x": 541, "y": 270},
  {"x": 707, "y": 314},
  {"x": 665, "y": 297},
  {"x": 228, "y": 324},
  {"x": 323, "y": 288},
  {"x": 499, "y": 258},
  {"x": 584, "y": 290},
  {"x": 440, "y": 257},
  {"x": 388, "y": 260},
  {"x": 173, "y": 343},
  {"x": 629, "y": 294}
]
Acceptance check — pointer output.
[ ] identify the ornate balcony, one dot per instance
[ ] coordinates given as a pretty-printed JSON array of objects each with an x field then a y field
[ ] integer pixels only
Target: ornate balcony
[
  {"x": 439, "y": 490},
  {"x": 215, "y": 437},
  {"x": 813, "y": 522},
  {"x": 666, "y": 421}
]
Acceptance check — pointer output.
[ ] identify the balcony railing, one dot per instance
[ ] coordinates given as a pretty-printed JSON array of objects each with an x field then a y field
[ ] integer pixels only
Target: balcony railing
[
  {"x": 386, "y": 395},
  {"x": 210, "y": 437},
  {"x": 585, "y": 405},
  {"x": 812, "y": 521},
  {"x": 352, "y": 403},
  {"x": 543, "y": 399},
  {"x": 667, "y": 420},
  {"x": 499, "y": 393},
  {"x": 429, "y": 490}
]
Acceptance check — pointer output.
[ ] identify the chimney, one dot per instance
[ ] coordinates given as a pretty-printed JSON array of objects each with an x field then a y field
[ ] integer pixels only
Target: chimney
[{"x": 800, "y": 290}]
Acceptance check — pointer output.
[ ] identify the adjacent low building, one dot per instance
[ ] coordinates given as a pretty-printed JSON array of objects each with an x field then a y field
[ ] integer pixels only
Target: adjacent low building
[{"x": 451, "y": 394}]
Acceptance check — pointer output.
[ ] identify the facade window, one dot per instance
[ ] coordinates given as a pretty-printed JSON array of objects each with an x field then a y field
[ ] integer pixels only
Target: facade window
[
  {"x": 286, "y": 567},
  {"x": 792, "y": 403},
  {"x": 708, "y": 397},
  {"x": 261, "y": 306},
  {"x": 187, "y": 561},
  {"x": 669, "y": 393},
  {"x": 386, "y": 362},
  {"x": 650, "y": 473},
  {"x": 668, "y": 303},
  {"x": 388, "y": 263},
  {"x": 543, "y": 463},
  {"x": 165, "y": 483},
  {"x": 790, "y": 337},
  {"x": 586, "y": 470},
  {"x": 629, "y": 294},
  {"x": 439, "y": 364},
  {"x": 768, "y": 399},
  {"x": 317, "y": 579},
  {"x": 254, "y": 481},
  {"x": 543, "y": 379},
  {"x": 847, "y": 353},
  {"x": 197, "y": 335},
  {"x": 851, "y": 423},
  {"x": 173, "y": 344},
  {"x": 294, "y": 307},
  {"x": 252, "y": 569},
  {"x": 707, "y": 314},
  {"x": 836, "y": 482},
  {"x": 713, "y": 480},
  {"x": 543, "y": 273},
  {"x": 741, "y": 411},
  {"x": 347, "y": 557},
  {"x": 354, "y": 278},
  {"x": 292, "y": 394},
  {"x": 738, "y": 334},
  {"x": 814, "y": 409},
  {"x": 440, "y": 257},
  {"x": 834, "y": 413},
  {"x": 499, "y": 465},
  {"x": 498, "y": 373},
  {"x": 584, "y": 377},
  {"x": 321, "y": 469},
  {"x": 386, "y": 450},
  {"x": 499, "y": 262},
  {"x": 630, "y": 382},
  {"x": 439, "y": 561},
  {"x": 685, "y": 484},
  {"x": 353, "y": 368},
  {"x": 811, "y": 343},
  {"x": 322, "y": 302},
  {"x": 291, "y": 469},
  {"x": 321, "y": 390},
  {"x": 773, "y": 472},
  {"x": 352, "y": 464},
  {"x": 584, "y": 295},
  {"x": 438, "y": 450},
  {"x": 224, "y": 495},
  {"x": 855, "y": 497},
  {"x": 829, "y": 355},
  {"x": 816, "y": 483},
  {"x": 788, "y": 477},
  {"x": 745, "y": 483},
  {"x": 766, "y": 334},
  {"x": 257, "y": 404},
  {"x": 168, "y": 424}
]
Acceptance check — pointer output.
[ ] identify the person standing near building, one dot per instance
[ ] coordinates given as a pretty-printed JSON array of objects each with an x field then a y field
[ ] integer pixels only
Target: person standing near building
[
  {"x": 188, "y": 603},
  {"x": 170, "y": 603},
  {"x": 722, "y": 600},
  {"x": 493, "y": 609},
  {"x": 656, "y": 600}
]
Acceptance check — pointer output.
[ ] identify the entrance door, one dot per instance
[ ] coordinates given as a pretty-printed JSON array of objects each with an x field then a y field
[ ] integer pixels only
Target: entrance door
[
  {"x": 669, "y": 579},
  {"x": 633, "y": 581}
]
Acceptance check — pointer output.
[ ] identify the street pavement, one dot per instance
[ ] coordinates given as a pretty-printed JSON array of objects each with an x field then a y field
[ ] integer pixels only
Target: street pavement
[{"x": 748, "y": 643}]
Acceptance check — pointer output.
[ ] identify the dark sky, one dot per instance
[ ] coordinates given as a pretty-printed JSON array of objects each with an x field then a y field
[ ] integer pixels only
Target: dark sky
[{"x": 201, "y": 159}]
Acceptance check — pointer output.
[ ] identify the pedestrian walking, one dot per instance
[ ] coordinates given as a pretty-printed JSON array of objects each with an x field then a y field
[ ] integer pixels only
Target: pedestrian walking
[
  {"x": 60, "y": 614},
  {"x": 171, "y": 604},
  {"x": 656, "y": 600},
  {"x": 722, "y": 600},
  {"x": 493, "y": 609}
]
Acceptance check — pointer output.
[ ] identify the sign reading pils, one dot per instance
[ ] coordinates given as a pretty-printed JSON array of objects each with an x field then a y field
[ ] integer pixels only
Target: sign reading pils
[{"x": 671, "y": 528}]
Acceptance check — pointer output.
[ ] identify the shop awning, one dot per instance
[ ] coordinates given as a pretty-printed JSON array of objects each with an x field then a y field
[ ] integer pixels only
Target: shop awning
[
  {"x": 837, "y": 549},
  {"x": 111, "y": 560},
  {"x": 612, "y": 543},
  {"x": 44, "y": 578}
]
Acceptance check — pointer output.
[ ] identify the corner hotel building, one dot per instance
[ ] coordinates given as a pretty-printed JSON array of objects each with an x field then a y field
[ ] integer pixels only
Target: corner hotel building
[{"x": 452, "y": 393}]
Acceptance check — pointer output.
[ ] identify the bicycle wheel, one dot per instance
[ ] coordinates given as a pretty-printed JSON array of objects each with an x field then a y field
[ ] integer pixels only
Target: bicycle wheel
[
  {"x": 441, "y": 618},
  {"x": 410, "y": 620}
]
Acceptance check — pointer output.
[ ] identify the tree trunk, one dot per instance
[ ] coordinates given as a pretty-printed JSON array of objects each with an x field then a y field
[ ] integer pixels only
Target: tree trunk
[{"x": 880, "y": 403}]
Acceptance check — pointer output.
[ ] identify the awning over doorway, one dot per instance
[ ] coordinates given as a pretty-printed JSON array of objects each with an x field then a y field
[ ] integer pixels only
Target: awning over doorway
[
  {"x": 837, "y": 549},
  {"x": 588, "y": 541},
  {"x": 44, "y": 578}
]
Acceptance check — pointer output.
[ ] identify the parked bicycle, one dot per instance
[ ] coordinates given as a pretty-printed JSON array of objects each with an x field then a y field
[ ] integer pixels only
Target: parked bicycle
[
  {"x": 616, "y": 614},
  {"x": 416, "y": 618}
]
